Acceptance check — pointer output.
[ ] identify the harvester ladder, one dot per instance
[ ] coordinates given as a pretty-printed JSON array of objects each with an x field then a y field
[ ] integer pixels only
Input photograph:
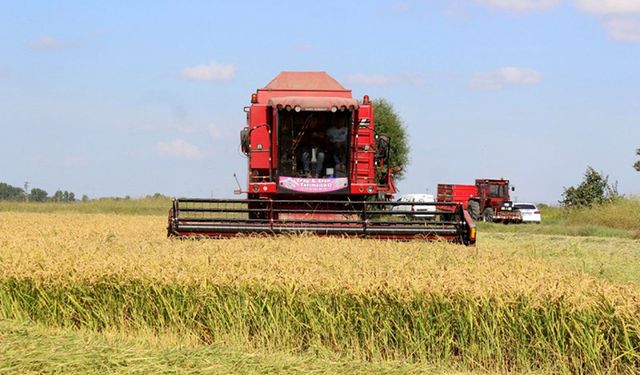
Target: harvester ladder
[{"x": 364, "y": 153}]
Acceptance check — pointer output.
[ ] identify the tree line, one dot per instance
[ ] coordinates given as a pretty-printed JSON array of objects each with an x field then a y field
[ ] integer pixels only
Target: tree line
[{"x": 14, "y": 193}]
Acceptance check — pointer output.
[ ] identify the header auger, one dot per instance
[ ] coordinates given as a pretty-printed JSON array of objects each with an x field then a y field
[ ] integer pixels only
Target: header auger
[{"x": 315, "y": 165}]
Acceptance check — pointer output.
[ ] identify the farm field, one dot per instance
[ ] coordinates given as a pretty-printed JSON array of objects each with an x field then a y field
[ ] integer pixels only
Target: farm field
[
  {"x": 527, "y": 299},
  {"x": 382, "y": 187}
]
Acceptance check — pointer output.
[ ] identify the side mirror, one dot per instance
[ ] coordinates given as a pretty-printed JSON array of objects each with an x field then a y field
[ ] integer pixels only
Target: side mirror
[
  {"x": 244, "y": 141},
  {"x": 513, "y": 188}
]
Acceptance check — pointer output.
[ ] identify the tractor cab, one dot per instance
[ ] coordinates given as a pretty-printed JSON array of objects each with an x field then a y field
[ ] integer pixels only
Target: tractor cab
[{"x": 493, "y": 192}]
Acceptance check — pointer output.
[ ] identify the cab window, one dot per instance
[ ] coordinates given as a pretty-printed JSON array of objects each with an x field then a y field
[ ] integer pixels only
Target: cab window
[{"x": 494, "y": 190}]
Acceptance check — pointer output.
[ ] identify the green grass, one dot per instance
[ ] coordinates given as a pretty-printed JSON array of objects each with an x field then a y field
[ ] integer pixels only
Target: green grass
[
  {"x": 618, "y": 219},
  {"x": 560, "y": 229},
  {"x": 613, "y": 259},
  {"x": 621, "y": 214},
  {"x": 32, "y": 348},
  {"x": 140, "y": 206},
  {"x": 456, "y": 330}
]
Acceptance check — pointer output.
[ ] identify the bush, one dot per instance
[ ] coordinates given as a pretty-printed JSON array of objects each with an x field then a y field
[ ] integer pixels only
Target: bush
[{"x": 594, "y": 189}]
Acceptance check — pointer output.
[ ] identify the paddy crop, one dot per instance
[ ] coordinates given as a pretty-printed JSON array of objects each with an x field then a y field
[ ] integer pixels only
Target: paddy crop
[{"x": 502, "y": 306}]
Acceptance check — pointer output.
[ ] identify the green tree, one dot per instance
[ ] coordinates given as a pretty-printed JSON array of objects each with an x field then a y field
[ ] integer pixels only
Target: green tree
[
  {"x": 63, "y": 196},
  {"x": 37, "y": 195},
  {"x": 387, "y": 121},
  {"x": 85, "y": 197},
  {"x": 594, "y": 189},
  {"x": 11, "y": 193},
  {"x": 637, "y": 164},
  {"x": 158, "y": 196},
  {"x": 58, "y": 196}
]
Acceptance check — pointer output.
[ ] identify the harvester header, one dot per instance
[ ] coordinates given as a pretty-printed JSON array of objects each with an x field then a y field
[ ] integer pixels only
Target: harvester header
[{"x": 315, "y": 163}]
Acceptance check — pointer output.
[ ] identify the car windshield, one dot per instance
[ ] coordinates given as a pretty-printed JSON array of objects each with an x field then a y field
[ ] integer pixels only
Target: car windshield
[{"x": 525, "y": 206}]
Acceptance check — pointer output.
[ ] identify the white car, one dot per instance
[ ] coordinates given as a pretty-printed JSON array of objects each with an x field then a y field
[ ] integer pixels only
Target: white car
[
  {"x": 529, "y": 212},
  {"x": 416, "y": 210}
]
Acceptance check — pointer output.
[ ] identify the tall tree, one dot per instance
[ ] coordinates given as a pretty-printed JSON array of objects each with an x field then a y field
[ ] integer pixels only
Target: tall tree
[
  {"x": 11, "y": 193},
  {"x": 637, "y": 164},
  {"x": 58, "y": 196},
  {"x": 387, "y": 121},
  {"x": 37, "y": 195}
]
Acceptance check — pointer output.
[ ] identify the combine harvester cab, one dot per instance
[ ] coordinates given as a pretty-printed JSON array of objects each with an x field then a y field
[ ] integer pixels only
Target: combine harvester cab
[{"x": 316, "y": 165}]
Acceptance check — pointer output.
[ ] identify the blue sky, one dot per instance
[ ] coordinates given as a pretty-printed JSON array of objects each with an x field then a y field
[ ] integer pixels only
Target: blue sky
[{"x": 133, "y": 98}]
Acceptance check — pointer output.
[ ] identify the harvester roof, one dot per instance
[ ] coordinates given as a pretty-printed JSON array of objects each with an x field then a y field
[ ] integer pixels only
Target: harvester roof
[
  {"x": 304, "y": 84},
  {"x": 316, "y": 81}
]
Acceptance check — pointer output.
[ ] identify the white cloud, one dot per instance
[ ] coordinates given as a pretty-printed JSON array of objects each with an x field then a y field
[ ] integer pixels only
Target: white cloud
[
  {"x": 178, "y": 148},
  {"x": 51, "y": 43},
  {"x": 521, "y": 5},
  {"x": 385, "y": 80},
  {"x": 213, "y": 71},
  {"x": 609, "y": 6},
  {"x": 619, "y": 17},
  {"x": 48, "y": 43},
  {"x": 505, "y": 77},
  {"x": 622, "y": 29}
]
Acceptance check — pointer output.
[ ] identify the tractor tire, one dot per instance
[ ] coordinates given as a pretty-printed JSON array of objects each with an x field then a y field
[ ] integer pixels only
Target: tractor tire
[
  {"x": 487, "y": 215},
  {"x": 473, "y": 208}
]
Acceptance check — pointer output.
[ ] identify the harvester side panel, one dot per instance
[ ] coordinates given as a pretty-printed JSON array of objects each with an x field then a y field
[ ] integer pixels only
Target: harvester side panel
[{"x": 260, "y": 155}]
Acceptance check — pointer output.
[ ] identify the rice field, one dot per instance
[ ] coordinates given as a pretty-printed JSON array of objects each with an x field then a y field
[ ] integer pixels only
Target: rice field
[{"x": 518, "y": 302}]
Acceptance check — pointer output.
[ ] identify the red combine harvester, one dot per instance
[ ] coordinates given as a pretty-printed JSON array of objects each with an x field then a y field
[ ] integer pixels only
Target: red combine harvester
[
  {"x": 315, "y": 165},
  {"x": 487, "y": 199}
]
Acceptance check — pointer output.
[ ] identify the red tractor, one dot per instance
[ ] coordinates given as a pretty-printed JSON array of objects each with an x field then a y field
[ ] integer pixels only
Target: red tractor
[
  {"x": 316, "y": 164},
  {"x": 487, "y": 199}
]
